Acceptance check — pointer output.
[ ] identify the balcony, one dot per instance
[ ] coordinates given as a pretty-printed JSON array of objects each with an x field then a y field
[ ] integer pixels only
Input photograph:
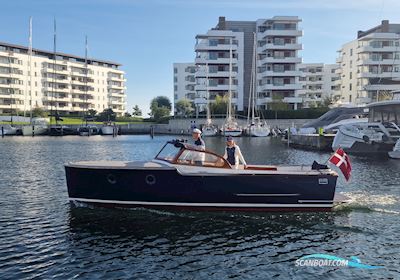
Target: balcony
[
  {"x": 214, "y": 87},
  {"x": 289, "y": 59},
  {"x": 367, "y": 49},
  {"x": 202, "y": 60},
  {"x": 267, "y": 87},
  {"x": 278, "y": 74},
  {"x": 389, "y": 75},
  {"x": 225, "y": 74},
  {"x": 273, "y": 32},
  {"x": 279, "y": 47},
  {"x": 387, "y": 61},
  {"x": 121, "y": 87},
  {"x": 218, "y": 47}
]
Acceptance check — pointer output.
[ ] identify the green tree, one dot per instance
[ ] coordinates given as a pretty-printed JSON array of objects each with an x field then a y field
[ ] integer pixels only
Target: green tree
[
  {"x": 278, "y": 104},
  {"x": 107, "y": 115},
  {"x": 127, "y": 115},
  {"x": 91, "y": 112},
  {"x": 184, "y": 107},
  {"x": 160, "y": 107},
  {"x": 136, "y": 111},
  {"x": 220, "y": 104},
  {"x": 39, "y": 112}
]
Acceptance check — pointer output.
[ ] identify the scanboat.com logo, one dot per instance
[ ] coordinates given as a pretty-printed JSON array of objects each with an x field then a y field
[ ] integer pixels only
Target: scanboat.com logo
[{"x": 319, "y": 260}]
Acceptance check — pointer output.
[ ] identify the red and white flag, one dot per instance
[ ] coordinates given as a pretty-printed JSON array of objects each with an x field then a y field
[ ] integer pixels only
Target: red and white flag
[{"x": 342, "y": 160}]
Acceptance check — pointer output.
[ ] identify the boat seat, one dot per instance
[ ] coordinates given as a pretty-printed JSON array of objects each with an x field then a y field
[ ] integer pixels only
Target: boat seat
[{"x": 259, "y": 167}]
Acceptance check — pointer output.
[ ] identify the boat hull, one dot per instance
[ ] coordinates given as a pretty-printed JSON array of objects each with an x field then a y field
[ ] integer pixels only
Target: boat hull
[
  {"x": 108, "y": 130},
  {"x": 233, "y": 133},
  {"x": 169, "y": 189},
  {"x": 33, "y": 130},
  {"x": 259, "y": 132},
  {"x": 8, "y": 130}
]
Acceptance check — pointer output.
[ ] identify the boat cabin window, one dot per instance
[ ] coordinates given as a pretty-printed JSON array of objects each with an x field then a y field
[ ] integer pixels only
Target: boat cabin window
[
  {"x": 200, "y": 158},
  {"x": 168, "y": 152},
  {"x": 388, "y": 113}
]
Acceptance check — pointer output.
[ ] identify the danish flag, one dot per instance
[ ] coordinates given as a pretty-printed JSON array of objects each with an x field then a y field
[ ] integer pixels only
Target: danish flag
[{"x": 342, "y": 160}]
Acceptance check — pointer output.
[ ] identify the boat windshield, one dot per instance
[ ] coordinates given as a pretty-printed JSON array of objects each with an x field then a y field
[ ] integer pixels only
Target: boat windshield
[
  {"x": 200, "y": 158},
  {"x": 168, "y": 152}
]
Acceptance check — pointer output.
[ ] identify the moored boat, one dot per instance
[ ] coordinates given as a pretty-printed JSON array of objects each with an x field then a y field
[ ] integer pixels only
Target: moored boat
[
  {"x": 109, "y": 128},
  {"x": 7, "y": 129},
  {"x": 182, "y": 177},
  {"x": 38, "y": 126}
]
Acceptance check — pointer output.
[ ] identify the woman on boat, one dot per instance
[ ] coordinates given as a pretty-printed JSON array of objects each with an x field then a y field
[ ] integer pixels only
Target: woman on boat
[{"x": 233, "y": 154}]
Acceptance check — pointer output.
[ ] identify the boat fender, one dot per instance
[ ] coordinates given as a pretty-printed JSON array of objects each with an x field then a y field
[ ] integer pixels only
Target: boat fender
[
  {"x": 150, "y": 179},
  {"x": 365, "y": 138},
  {"x": 385, "y": 138},
  {"x": 111, "y": 179}
]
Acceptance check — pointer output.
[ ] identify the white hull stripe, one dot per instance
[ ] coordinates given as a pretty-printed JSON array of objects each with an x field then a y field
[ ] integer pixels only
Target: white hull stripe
[
  {"x": 267, "y": 194},
  {"x": 196, "y": 204}
]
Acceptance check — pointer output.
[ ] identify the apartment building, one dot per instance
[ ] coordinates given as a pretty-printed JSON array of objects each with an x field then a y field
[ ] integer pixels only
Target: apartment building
[
  {"x": 370, "y": 65},
  {"x": 224, "y": 62},
  {"x": 184, "y": 81},
  {"x": 278, "y": 60},
  {"x": 61, "y": 82},
  {"x": 319, "y": 81}
]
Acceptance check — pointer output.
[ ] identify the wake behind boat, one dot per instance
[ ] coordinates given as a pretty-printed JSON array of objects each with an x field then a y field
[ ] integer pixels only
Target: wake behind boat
[{"x": 181, "y": 177}]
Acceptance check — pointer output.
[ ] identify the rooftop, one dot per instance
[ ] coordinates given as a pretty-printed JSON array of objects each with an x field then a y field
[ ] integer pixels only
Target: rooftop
[{"x": 22, "y": 49}]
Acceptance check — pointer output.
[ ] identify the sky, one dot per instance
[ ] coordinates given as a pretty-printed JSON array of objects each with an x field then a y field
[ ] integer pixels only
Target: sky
[{"x": 148, "y": 36}]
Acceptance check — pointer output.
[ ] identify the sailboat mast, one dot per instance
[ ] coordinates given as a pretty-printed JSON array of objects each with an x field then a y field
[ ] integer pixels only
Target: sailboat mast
[
  {"x": 229, "y": 113},
  {"x": 54, "y": 72},
  {"x": 254, "y": 73},
  {"x": 30, "y": 67},
  {"x": 207, "y": 95},
  {"x": 86, "y": 78}
]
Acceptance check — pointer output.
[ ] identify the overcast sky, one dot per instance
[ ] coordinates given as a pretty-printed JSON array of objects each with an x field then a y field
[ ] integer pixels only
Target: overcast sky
[{"x": 148, "y": 36}]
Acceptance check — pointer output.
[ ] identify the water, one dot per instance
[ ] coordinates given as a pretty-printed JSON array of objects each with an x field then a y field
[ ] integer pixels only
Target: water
[{"x": 42, "y": 236}]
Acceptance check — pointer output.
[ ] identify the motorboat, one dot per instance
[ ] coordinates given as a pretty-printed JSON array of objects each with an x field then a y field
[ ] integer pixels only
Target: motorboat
[
  {"x": 109, "y": 128},
  {"x": 376, "y": 136},
  {"x": 61, "y": 130},
  {"x": 38, "y": 126},
  {"x": 185, "y": 178},
  {"x": 88, "y": 130},
  {"x": 7, "y": 129},
  {"x": 396, "y": 151}
]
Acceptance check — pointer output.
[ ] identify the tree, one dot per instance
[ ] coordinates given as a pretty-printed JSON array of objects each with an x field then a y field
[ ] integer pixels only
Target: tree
[
  {"x": 107, "y": 115},
  {"x": 184, "y": 107},
  {"x": 160, "y": 107},
  {"x": 220, "y": 105},
  {"x": 278, "y": 104},
  {"x": 136, "y": 111},
  {"x": 127, "y": 115},
  {"x": 91, "y": 113},
  {"x": 39, "y": 112}
]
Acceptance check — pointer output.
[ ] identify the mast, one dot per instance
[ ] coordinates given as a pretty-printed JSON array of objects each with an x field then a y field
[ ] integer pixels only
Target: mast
[
  {"x": 86, "y": 77},
  {"x": 208, "y": 97},
  {"x": 229, "y": 111},
  {"x": 53, "y": 86},
  {"x": 30, "y": 73},
  {"x": 254, "y": 73}
]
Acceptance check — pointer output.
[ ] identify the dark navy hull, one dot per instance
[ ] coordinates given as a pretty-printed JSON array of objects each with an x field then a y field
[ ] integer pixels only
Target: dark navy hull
[{"x": 169, "y": 189}]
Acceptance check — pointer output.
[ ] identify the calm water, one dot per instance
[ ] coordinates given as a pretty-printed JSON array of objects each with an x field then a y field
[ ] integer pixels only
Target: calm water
[{"x": 42, "y": 236}]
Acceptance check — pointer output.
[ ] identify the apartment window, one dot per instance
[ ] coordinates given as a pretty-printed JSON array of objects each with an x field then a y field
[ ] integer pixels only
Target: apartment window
[
  {"x": 175, "y": 79},
  {"x": 351, "y": 52},
  {"x": 350, "y": 98},
  {"x": 351, "y": 75},
  {"x": 175, "y": 88},
  {"x": 350, "y": 87}
]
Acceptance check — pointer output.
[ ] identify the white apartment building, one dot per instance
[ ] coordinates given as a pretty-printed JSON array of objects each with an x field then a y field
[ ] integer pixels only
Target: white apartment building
[
  {"x": 278, "y": 61},
  {"x": 318, "y": 82},
  {"x": 370, "y": 65},
  {"x": 219, "y": 61},
  {"x": 224, "y": 62},
  {"x": 184, "y": 81},
  {"x": 60, "y": 84}
]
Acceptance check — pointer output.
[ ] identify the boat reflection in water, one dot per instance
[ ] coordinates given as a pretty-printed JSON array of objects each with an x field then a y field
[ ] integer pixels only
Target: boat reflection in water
[{"x": 181, "y": 177}]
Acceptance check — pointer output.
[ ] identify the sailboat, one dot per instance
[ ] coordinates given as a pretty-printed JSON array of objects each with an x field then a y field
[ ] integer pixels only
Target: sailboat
[
  {"x": 209, "y": 129},
  {"x": 255, "y": 126},
  {"x": 86, "y": 129},
  {"x": 230, "y": 127},
  {"x": 37, "y": 126}
]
